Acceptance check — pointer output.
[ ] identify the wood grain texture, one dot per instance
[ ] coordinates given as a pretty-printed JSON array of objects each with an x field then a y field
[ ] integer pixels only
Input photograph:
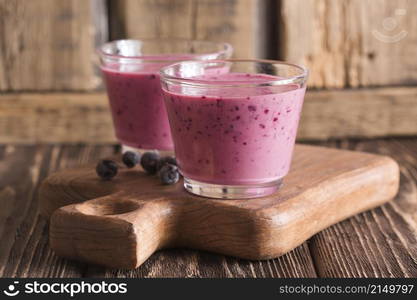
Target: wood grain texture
[
  {"x": 24, "y": 250},
  {"x": 235, "y": 22},
  {"x": 359, "y": 113},
  {"x": 133, "y": 215},
  {"x": 351, "y": 43},
  {"x": 57, "y": 117},
  {"x": 184, "y": 263},
  {"x": 50, "y": 45},
  {"x": 381, "y": 242},
  {"x": 77, "y": 117}
]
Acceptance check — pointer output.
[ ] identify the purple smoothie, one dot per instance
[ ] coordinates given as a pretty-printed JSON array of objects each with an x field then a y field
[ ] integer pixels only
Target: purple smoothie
[
  {"x": 238, "y": 136},
  {"x": 137, "y": 106}
]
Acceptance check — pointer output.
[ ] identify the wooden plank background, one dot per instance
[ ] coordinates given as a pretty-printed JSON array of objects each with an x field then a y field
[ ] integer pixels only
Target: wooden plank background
[
  {"x": 351, "y": 43},
  {"x": 49, "y": 45},
  {"x": 230, "y": 21}
]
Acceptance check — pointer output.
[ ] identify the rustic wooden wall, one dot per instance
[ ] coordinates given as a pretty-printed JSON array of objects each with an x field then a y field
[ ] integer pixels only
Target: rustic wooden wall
[
  {"x": 351, "y": 43},
  {"x": 230, "y": 21},
  {"x": 49, "y": 45},
  {"x": 47, "y": 59}
]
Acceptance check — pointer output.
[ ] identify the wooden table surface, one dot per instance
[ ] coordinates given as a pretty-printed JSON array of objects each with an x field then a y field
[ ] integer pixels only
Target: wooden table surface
[{"x": 377, "y": 243}]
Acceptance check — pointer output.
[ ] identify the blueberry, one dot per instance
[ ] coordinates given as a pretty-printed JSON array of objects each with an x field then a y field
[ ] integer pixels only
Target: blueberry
[
  {"x": 130, "y": 158},
  {"x": 149, "y": 162},
  {"x": 106, "y": 169},
  {"x": 251, "y": 107},
  {"x": 166, "y": 160},
  {"x": 169, "y": 174}
]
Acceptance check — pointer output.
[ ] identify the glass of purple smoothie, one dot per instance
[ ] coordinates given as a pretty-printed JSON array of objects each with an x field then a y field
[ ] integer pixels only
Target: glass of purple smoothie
[
  {"x": 234, "y": 123},
  {"x": 131, "y": 73}
]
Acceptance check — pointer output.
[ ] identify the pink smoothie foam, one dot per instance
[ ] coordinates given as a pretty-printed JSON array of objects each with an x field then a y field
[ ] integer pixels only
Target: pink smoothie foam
[
  {"x": 138, "y": 110},
  {"x": 235, "y": 136}
]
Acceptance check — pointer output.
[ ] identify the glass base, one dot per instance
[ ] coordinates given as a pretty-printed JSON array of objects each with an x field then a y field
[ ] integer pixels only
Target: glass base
[
  {"x": 231, "y": 191},
  {"x": 126, "y": 148}
]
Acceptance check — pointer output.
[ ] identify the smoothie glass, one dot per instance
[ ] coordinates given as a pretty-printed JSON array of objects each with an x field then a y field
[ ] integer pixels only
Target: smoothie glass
[
  {"x": 131, "y": 73},
  {"x": 234, "y": 132}
]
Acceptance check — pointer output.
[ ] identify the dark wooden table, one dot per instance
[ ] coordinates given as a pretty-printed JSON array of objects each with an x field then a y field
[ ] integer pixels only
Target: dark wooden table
[{"x": 378, "y": 243}]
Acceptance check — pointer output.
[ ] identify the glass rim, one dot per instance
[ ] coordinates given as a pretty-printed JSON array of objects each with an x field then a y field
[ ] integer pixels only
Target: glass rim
[
  {"x": 300, "y": 78},
  {"x": 224, "y": 49}
]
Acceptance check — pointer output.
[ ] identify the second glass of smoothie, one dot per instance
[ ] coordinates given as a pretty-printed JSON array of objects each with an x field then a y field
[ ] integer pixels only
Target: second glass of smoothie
[
  {"x": 234, "y": 123},
  {"x": 131, "y": 73}
]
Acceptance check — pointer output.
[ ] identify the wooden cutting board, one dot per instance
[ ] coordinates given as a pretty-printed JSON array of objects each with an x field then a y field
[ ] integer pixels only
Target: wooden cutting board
[{"x": 120, "y": 223}]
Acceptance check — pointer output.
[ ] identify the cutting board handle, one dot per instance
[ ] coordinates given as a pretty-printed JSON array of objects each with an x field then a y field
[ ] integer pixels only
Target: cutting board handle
[{"x": 114, "y": 230}]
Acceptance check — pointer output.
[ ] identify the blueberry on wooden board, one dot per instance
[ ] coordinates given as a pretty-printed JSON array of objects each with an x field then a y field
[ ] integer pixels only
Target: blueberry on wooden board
[
  {"x": 130, "y": 159},
  {"x": 169, "y": 174},
  {"x": 166, "y": 160},
  {"x": 149, "y": 162},
  {"x": 106, "y": 169}
]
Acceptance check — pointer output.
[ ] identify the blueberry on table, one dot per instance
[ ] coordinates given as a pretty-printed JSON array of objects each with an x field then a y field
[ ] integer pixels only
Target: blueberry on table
[
  {"x": 169, "y": 174},
  {"x": 166, "y": 160},
  {"x": 130, "y": 159},
  {"x": 149, "y": 162},
  {"x": 106, "y": 169}
]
